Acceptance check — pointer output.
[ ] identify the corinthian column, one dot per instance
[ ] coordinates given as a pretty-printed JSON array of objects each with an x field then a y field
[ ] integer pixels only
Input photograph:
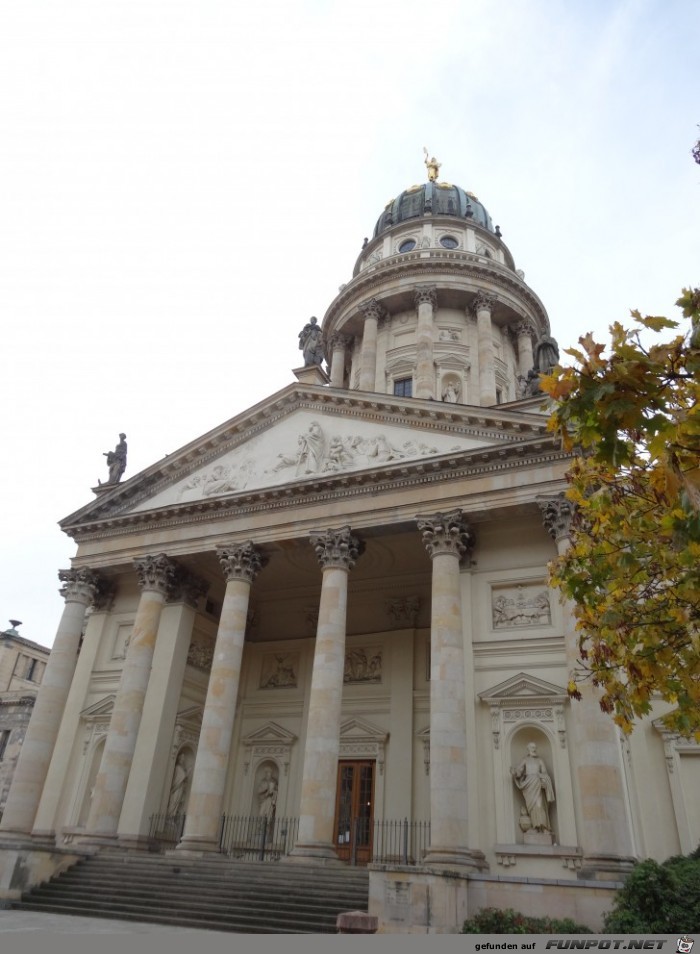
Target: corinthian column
[
  {"x": 426, "y": 303},
  {"x": 81, "y": 588},
  {"x": 339, "y": 344},
  {"x": 448, "y": 540},
  {"x": 372, "y": 312},
  {"x": 526, "y": 360},
  {"x": 483, "y": 306},
  {"x": 337, "y": 551},
  {"x": 156, "y": 576},
  {"x": 603, "y": 811},
  {"x": 241, "y": 565}
]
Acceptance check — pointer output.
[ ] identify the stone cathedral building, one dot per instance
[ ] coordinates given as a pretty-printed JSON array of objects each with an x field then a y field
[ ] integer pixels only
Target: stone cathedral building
[{"x": 333, "y": 608}]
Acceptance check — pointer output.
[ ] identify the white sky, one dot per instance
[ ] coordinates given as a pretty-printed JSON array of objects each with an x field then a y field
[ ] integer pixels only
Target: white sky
[{"x": 183, "y": 183}]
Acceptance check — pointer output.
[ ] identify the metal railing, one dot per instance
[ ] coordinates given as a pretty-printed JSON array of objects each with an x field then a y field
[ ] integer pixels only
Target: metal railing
[{"x": 259, "y": 838}]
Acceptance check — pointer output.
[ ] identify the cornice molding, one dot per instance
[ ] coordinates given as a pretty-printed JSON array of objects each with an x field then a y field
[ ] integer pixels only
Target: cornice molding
[
  {"x": 390, "y": 478},
  {"x": 416, "y": 269}
]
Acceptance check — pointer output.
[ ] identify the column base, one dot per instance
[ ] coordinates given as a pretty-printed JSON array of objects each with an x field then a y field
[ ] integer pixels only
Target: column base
[
  {"x": 96, "y": 840},
  {"x": 605, "y": 867},
  {"x": 455, "y": 857},
  {"x": 318, "y": 853},
  {"x": 194, "y": 846}
]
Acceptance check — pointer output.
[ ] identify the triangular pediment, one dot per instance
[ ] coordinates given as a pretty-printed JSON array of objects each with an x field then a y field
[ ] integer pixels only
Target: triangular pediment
[
  {"x": 524, "y": 688},
  {"x": 270, "y": 732},
  {"x": 99, "y": 711},
  {"x": 303, "y": 435},
  {"x": 355, "y": 730}
]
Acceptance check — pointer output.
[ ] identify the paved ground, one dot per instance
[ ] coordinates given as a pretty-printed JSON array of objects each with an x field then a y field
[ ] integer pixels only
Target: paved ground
[{"x": 25, "y": 921}]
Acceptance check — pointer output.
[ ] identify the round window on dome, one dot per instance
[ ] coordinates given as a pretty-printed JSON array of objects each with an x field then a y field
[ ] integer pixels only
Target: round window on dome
[
  {"x": 407, "y": 246},
  {"x": 449, "y": 241}
]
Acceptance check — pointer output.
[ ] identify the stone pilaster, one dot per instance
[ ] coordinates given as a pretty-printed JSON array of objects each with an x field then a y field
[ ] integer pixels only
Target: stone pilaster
[
  {"x": 483, "y": 306},
  {"x": 81, "y": 588},
  {"x": 337, "y": 551},
  {"x": 240, "y": 564},
  {"x": 426, "y": 303},
  {"x": 526, "y": 361},
  {"x": 372, "y": 312},
  {"x": 339, "y": 345},
  {"x": 157, "y": 576},
  {"x": 602, "y": 810},
  {"x": 448, "y": 540}
]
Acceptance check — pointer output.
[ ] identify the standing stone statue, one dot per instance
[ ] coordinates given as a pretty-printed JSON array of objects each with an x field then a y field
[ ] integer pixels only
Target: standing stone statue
[
  {"x": 267, "y": 795},
  {"x": 116, "y": 461},
  {"x": 532, "y": 778},
  {"x": 546, "y": 354},
  {"x": 310, "y": 343},
  {"x": 178, "y": 787}
]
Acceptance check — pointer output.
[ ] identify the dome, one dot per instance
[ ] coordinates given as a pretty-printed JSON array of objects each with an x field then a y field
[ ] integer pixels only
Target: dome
[{"x": 433, "y": 198}]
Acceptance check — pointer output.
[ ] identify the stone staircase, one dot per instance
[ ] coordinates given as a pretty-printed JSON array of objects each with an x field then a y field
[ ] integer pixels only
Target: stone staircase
[{"x": 213, "y": 894}]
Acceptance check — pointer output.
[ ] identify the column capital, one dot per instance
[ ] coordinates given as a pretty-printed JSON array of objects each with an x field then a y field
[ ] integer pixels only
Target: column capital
[
  {"x": 84, "y": 586},
  {"x": 425, "y": 295},
  {"x": 186, "y": 587},
  {"x": 557, "y": 513},
  {"x": 525, "y": 327},
  {"x": 336, "y": 548},
  {"x": 372, "y": 309},
  {"x": 483, "y": 301},
  {"x": 446, "y": 533},
  {"x": 340, "y": 340},
  {"x": 156, "y": 574},
  {"x": 242, "y": 562}
]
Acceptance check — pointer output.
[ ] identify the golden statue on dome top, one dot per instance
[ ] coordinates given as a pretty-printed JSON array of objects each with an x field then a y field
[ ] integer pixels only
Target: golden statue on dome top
[{"x": 432, "y": 165}]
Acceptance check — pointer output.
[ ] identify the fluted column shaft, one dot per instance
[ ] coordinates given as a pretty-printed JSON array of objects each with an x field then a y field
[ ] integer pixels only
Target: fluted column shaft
[
  {"x": 339, "y": 345},
  {"x": 447, "y": 540},
  {"x": 526, "y": 359},
  {"x": 595, "y": 753},
  {"x": 483, "y": 307},
  {"x": 240, "y": 564},
  {"x": 372, "y": 312},
  {"x": 81, "y": 588},
  {"x": 337, "y": 551},
  {"x": 156, "y": 576},
  {"x": 426, "y": 302}
]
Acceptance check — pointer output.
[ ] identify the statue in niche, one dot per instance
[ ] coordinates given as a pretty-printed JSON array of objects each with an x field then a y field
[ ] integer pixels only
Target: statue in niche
[
  {"x": 267, "y": 794},
  {"x": 451, "y": 393},
  {"x": 310, "y": 343},
  {"x": 178, "y": 786},
  {"x": 532, "y": 779},
  {"x": 116, "y": 461}
]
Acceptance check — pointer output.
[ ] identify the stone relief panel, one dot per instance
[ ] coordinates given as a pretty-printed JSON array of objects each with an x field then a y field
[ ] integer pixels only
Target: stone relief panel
[
  {"x": 122, "y": 636},
  {"x": 305, "y": 445},
  {"x": 363, "y": 665},
  {"x": 525, "y": 604},
  {"x": 201, "y": 652},
  {"x": 279, "y": 671}
]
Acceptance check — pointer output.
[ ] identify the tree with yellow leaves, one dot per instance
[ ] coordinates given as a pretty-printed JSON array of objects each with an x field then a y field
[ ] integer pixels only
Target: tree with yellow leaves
[{"x": 632, "y": 420}]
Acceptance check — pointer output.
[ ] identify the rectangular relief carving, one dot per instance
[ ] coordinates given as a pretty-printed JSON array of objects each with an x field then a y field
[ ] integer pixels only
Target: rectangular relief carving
[
  {"x": 514, "y": 606},
  {"x": 279, "y": 671}
]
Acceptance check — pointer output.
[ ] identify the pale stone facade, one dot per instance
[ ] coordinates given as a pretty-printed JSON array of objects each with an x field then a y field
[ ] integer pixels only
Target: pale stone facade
[{"x": 352, "y": 575}]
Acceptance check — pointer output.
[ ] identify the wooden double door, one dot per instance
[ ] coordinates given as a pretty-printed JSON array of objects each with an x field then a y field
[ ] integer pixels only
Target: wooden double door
[{"x": 354, "y": 811}]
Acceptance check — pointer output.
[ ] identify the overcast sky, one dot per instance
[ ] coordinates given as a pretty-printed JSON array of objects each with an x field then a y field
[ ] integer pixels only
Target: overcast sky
[{"x": 183, "y": 183}]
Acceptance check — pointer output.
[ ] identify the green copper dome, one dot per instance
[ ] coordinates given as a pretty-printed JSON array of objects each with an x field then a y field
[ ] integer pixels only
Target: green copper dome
[{"x": 433, "y": 198}]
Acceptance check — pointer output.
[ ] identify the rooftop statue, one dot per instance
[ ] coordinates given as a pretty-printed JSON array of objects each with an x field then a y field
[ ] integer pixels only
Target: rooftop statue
[
  {"x": 432, "y": 165},
  {"x": 310, "y": 343},
  {"x": 116, "y": 461},
  {"x": 546, "y": 354}
]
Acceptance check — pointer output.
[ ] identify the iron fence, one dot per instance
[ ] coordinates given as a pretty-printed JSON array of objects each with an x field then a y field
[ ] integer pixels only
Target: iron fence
[{"x": 259, "y": 838}]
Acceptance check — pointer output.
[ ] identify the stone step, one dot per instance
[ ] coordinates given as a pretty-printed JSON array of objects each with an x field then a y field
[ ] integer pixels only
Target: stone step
[{"x": 242, "y": 897}]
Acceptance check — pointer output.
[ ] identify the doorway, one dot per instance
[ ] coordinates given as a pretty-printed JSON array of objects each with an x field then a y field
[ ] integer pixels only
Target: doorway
[{"x": 354, "y": 811}]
